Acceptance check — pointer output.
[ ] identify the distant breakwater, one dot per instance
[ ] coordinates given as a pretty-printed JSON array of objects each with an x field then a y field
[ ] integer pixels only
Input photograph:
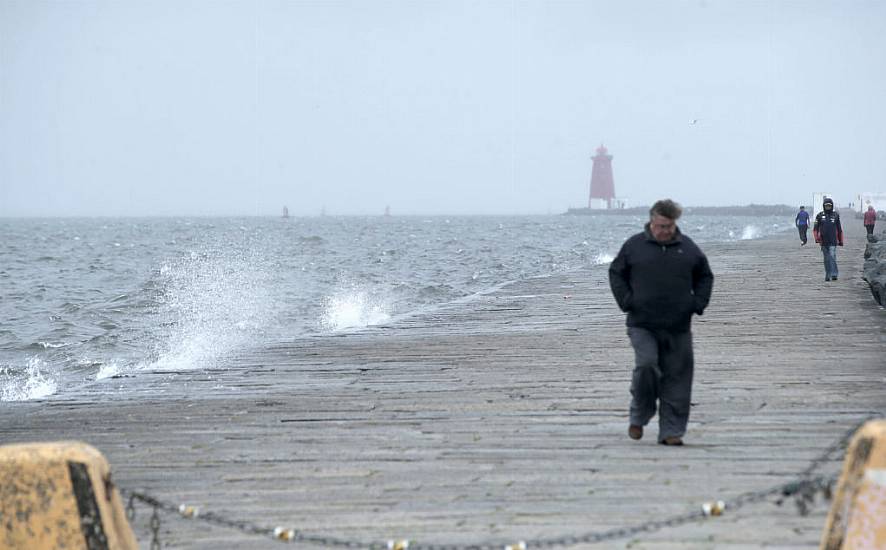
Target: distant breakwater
[{"x": 749, "y": 210}]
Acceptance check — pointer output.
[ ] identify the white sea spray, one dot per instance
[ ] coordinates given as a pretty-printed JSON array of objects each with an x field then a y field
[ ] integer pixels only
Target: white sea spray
[
  {"x": 213, "y": 302},
  {"x": 352, "y": 308},
  {"x": 751, "y": 232},
  {"x": 180, "y": 294},
  {"x": 603, "y": 258},
  {"x": 31, "y": 383},
  {"x": 107, "y": 370}
]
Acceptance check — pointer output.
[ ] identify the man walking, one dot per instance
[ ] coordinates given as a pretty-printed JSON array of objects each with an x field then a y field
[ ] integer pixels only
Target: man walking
[
  {"x": 802, "y": 223},
  {"x": 828, "y": 233},
  {"x": 660, "y": 278},
  {"x": 870, "y": 218}
]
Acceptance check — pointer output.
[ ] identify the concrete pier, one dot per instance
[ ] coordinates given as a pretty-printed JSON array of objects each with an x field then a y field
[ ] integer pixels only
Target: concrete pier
[{"x": 504, "y": 418}]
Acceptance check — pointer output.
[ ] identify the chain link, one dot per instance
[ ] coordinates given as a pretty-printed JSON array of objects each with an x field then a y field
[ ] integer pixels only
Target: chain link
[
  {"x": 155, "y": 530},
  {"x": 130, "y": 508},
  {"x": 802, "y": 489},
  {"x": 839, "y": 445}
]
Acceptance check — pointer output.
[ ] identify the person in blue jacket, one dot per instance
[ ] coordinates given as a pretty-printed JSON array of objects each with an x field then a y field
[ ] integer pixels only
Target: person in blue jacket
[
  {"x": 660, "y": 278},
  {"x": 802, "y": 223}
]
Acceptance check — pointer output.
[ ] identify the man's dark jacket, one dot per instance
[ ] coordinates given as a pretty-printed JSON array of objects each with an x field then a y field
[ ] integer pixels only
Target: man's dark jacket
[
  {"x": 828, "y": 231},
  {"x": 659, "y": 285}
]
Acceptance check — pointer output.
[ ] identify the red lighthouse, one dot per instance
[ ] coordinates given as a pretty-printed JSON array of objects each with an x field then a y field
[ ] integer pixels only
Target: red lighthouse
[{"x": 602, "y": 187}]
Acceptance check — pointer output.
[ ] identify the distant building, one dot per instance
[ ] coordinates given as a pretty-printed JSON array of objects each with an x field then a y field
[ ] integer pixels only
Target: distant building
[
  {"x": 602, "y": 195},
  {"x": 817, "y": 200},
  {"x": 877, "y": 200}
]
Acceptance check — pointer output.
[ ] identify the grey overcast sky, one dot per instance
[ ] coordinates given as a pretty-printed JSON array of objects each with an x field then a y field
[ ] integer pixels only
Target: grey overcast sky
[{"x": 212, "y": 107}]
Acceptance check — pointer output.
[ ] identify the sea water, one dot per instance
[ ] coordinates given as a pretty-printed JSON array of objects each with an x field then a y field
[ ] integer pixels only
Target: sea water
[{"x": 86, "y": 299}]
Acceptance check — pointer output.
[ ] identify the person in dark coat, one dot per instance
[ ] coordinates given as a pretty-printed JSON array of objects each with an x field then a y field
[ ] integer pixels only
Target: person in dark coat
[
  {"x": 660, "y": 278},
  {"x": 828, "y": 232}
]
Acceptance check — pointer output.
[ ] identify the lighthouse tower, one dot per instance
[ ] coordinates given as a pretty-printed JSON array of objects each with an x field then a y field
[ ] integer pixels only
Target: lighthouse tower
[{"x": 602, "y": 195}]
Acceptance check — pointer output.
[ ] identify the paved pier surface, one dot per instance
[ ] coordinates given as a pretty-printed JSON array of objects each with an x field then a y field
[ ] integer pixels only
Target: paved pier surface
[{"x": 504, "y": 418}]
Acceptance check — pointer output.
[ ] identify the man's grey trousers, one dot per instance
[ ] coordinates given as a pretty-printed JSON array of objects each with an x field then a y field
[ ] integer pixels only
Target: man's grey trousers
[{"x": 663, "y": 371}]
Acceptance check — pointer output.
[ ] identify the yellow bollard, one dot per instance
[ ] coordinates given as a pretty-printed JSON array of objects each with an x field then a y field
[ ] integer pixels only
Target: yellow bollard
[
  {"x": 60, "y": 495},
  {"x": 858, "y": 513}
]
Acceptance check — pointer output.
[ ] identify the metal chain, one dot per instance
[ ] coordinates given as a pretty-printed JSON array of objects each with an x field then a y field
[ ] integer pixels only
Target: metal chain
[
  {"x": 803, "y": 489},
  {"x": 155, "y": 530},
  {"x": 840, "y": 444},
  {"x": 799, "y": 487},
  {"x": 130, "y": 508}
]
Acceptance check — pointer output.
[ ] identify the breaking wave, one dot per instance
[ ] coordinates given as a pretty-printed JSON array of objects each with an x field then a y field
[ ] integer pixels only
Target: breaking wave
[
  {"x": 32, "y": 383},
  {"x": 603, "y": 258},
  {"x": 210, "y": 304},
  {"x": 353, "y": 308},
  {"x": 751, "y": 232}
]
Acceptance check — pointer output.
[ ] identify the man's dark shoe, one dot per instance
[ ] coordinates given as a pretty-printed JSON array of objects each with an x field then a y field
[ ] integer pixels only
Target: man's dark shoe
[
  {"x": 672, "y": 440},
  {"x": 833, "y": 278},
  {"x": 635, "y": 432}
]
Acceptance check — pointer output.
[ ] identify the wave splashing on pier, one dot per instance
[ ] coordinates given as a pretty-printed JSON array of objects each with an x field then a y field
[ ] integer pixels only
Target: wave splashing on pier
[{"x": 93, "y": 299}]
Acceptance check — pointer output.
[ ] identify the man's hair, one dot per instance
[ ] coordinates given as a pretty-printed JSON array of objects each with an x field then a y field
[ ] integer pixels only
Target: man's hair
[{"x": 667, "y": 208}]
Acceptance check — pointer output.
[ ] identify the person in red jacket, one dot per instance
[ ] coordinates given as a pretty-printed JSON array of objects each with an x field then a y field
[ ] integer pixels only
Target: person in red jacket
[{"x": 870, "y": 218}]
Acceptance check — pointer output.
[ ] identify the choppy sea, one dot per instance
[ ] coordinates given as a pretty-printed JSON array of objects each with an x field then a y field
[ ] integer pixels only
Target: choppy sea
[{"x": 86, "y": 299}]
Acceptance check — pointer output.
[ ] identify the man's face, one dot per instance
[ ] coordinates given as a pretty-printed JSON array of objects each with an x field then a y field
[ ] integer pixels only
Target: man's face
[
  {"x": 828, "y": 206},
  {"x": 662, "y": 228}
]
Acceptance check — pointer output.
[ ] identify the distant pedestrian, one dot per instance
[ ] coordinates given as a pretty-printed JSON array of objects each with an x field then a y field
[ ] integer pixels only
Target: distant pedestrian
[
  {"x": 828, "y": 232},
  {"x": 870, "y": 218},
  {"x": 660, "y": 278},
  {"x": 802, "y": 223}
]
